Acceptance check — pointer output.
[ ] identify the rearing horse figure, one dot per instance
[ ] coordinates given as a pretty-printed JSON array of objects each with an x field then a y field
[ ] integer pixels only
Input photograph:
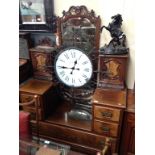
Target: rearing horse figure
[{"x": 115, "y": 29}]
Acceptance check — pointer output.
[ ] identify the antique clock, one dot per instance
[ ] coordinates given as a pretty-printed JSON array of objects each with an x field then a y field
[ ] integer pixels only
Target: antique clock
[
  {"x": 76, "y": 66},
  {"x": 73, "y": 67}
]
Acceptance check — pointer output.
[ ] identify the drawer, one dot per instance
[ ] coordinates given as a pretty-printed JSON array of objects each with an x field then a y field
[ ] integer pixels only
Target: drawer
[
  {"x": 27, "y": 98},
  {"x": 74, "y": 136},
  {"x": 106, "y": 128},
  {"x": 107, "y": 113}
]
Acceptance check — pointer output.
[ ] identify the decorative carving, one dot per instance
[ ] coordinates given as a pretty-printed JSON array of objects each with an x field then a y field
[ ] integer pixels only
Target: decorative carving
[
  {"x": 112, "y": 68},
  {"x": 41, "y": 62},
  {"x": 78, "y": 11},
  {"x": 80, "y": 28},
  {"x": 117, "y": 44},
  {"x": 46, "y": 41}
]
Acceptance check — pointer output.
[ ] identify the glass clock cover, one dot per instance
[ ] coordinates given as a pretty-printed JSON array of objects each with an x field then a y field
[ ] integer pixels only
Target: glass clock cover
[{"x": 73, "y": 67}]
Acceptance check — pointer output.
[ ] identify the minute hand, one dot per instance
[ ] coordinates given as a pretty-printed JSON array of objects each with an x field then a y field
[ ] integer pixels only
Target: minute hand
[{"x": 64, "y": 67}]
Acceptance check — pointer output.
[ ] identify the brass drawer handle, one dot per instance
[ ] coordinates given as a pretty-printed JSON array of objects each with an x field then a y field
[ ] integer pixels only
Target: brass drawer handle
[
  {"x": 106, "y": 114},
  {"x": 105, "y": 129}
]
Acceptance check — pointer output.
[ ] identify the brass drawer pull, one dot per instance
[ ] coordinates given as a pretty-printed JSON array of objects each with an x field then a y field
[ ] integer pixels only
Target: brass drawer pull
[
  {"x": 106, "y": 114},
  {"x": 105, "y": 129}
]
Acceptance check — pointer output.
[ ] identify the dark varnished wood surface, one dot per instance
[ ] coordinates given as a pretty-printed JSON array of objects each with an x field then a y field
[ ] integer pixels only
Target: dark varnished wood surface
[
  {"x": 106, "y": 128},
  {"x": 78, "y": 139},
  {"x": 35, "y": 86},
  {"x": 25, "y": 70},
  {"x": 113, "y": 97},
  {"x": 116, "y": 65},
  {"x": 60, "y": 117},
  {"x": 107, "y": 113},
  {"x": 128, "y": 134},
  {"x": 131, "y": 100},
  {"x": 41, "y": 60}
]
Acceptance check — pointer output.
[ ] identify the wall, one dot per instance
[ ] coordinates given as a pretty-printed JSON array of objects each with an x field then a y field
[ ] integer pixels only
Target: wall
[{"x": 106, "y": 9}]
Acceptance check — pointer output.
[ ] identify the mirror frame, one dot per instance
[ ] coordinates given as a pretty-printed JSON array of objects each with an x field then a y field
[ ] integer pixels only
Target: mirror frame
[{"x": 49, "y": 20}]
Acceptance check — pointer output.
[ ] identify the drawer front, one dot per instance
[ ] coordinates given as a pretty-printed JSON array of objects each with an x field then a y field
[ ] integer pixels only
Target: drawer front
[
  {"x": 106, "y": 128},
  {"x": 27, "y": 98},
  {"x": 107, "y": 113},
  {"x": 81, "y": 138}
]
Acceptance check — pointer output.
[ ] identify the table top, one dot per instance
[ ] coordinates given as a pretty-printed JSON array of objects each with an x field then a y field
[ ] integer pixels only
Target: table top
[{"x": 36, "y": 86}]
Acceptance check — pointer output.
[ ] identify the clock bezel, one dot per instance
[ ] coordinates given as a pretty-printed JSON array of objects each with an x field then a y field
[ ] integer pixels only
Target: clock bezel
[{"x": 56, "y": 58}]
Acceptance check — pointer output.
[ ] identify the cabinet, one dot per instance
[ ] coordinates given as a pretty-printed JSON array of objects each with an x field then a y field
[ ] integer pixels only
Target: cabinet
[
  {"x": 25, "y": 70},
  {"x": 46, "y": 93},
  {"x": 108, "y": 109},
  {"x": 112, "y": 71},
  {"x": 42, "y": 61}
]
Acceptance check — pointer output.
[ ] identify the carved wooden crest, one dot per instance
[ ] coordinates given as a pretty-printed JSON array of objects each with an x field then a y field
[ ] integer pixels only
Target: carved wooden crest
[
  {"x": 112, "y": 69},
  {"x": 78, "y": 21},
  {"x": 79, "y": 11}
]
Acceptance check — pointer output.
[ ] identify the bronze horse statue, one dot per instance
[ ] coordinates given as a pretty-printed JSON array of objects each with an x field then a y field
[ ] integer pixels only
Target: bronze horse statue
[{"x": 117, "y": 44}]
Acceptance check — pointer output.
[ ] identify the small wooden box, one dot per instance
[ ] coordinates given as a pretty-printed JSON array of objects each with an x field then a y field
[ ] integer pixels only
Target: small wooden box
[
  {"x": 42, "y": 62},
  {"x": 46, "y": 93},
  {"x": 113, "y": 69}
]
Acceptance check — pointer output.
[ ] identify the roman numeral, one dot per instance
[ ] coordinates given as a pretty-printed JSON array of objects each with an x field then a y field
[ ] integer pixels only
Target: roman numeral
[
  {"x": 86, "y": 69},
  {"x": 85, "y": 76},
  {"x": 67, "y": 78},
  {"x": 85, "y": 62},
  {"x": 80, "y": 57},
  {"x": 73, "y": 80},
  {"x": 61, "y": 60},
  {"x": 62, "y": 73},
  {"x": 66, "y": 55},
  {"x": 73, "y": 54},
  {"x": 79, "y": 80}
]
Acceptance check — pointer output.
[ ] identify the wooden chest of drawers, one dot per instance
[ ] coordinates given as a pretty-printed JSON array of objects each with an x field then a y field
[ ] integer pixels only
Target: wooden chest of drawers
[
  {"x": 45, "y": 91},
  {"x": 108, "y": 109}
]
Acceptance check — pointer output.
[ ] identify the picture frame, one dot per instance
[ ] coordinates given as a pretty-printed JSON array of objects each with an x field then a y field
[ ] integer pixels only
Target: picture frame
[{"x": 36, "y": 15}]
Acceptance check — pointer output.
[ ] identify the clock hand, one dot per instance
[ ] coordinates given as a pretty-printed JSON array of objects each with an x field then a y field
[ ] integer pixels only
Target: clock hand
[
  {"x": 74, "y": 69},
  {"x": 65, "y": 67}
]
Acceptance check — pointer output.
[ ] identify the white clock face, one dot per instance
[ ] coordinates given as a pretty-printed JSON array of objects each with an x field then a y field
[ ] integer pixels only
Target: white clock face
[{"x": 73, "y": 67}]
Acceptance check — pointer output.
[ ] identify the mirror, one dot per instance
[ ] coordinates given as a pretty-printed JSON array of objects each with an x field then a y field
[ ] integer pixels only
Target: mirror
[{"x": 79, "y": 32}]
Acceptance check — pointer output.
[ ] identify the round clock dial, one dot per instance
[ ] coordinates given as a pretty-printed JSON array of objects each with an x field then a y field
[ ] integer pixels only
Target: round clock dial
[{"x": 73, "y": 67}]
